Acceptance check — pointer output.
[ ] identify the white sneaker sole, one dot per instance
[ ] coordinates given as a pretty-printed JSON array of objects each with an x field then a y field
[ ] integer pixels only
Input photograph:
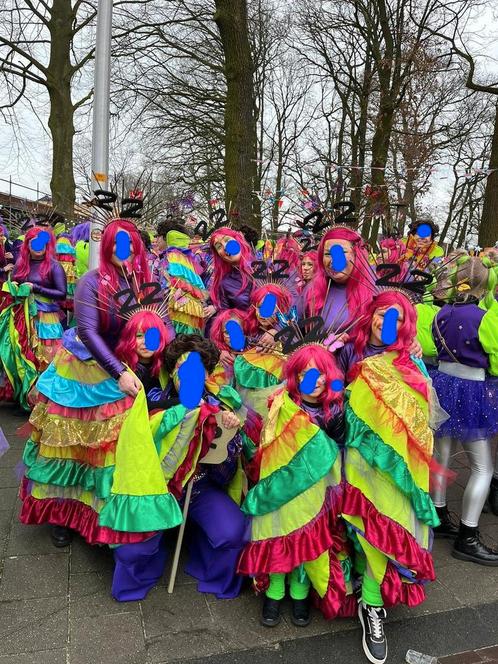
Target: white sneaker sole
[{"x": 367, "y": 652}]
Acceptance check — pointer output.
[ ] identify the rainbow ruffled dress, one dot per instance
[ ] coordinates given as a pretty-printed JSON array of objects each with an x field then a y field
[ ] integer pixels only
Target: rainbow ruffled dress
[
  {"x": 18, "y": 342},
  {"x": 296, "y": 506},
  {"x": 387, "y": 506},
  {"x": 91, "y": 462}
]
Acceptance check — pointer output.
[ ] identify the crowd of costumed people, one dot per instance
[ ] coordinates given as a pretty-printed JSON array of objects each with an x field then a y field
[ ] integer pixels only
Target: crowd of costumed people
[{"x": 295, "y": 403}]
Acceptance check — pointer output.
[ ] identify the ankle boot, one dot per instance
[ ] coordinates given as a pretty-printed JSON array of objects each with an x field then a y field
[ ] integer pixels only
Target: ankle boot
[
  {"x": 493, "y": 496},
  {"x": 270, "y": 615},
  {"x": 448, "y": 527},
  {"x": 469, "y": 546}
]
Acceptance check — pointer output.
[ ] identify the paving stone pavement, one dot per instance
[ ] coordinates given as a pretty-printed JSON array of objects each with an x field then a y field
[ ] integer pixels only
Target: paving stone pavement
[{"x": 55, "y": 606}]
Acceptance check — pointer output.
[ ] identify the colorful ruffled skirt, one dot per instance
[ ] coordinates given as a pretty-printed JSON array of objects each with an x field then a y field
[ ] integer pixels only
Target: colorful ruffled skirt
[
  {"x": 18, "y": 344},
  {"x": 471, "y": 404},
  {"x": 48, "y": 330},
  {"x": 91, "y": 462},
  {"x": 386, "y": 504},
  {"x": 66, "y": 255},
  {"x": 295, "y": 510}
]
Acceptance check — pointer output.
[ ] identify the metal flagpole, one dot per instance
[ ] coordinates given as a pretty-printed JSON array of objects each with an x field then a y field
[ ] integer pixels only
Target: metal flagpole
[{"x": 101, "y": 102}]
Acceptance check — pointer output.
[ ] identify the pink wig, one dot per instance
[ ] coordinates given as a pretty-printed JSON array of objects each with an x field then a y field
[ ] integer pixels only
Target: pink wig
[
  {"x": 218, "y": 326},
  {"x": 109, "y": 273},
  {"x": 284, "y": 302},
  {"x": 126, "y": 349},
  {"x": 325, "y": 363},
  {"x": 313, "y": 257},
  {"x": 222, "y": 268},
  {"x": 288, "y": 249},
  {"x": 358, "y": 293},
  {"x": 24, "y": 260},
  {"x": 406, "y": 335}
]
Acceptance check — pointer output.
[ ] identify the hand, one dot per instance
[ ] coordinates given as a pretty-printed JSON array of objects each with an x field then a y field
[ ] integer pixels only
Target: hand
[
  {"x": 9, "y": 267},
  {"x": 129, "y": 384},
  {"x": 229, "y": 420},
  {"x": 226, "y": 358},
  {"x": 8, "y": 255},
  {"x": 267, "y": 342},
  {"x": 209, "y": 311},
  {"x": 416, "y": 349},
  {"x": 28, "y": 284}
]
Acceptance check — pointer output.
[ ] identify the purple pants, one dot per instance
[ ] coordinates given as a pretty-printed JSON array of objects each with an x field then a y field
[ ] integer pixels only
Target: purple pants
[{"x": 218, "y": 533}]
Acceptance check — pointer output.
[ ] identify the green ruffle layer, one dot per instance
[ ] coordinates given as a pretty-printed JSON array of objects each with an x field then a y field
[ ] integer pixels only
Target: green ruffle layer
[
  {"x": 140, "y": 514},
  {"x": 251, "y": 377},
  {"x": 248, "y": 447},
  {"x": 183, "y": 328},
  {"x": 313, "y": 462},
  {"x": 379, "y": 455},
  {"x": 66, "y": 472}
]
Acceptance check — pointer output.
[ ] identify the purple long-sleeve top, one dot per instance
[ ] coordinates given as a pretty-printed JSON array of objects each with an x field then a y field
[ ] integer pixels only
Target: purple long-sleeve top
[
  {"x": 230, "y": 298},
  {"x": 100, "y": 341},
  {"x": 459, "y": 327},
  {"x": 53, "y": 286},
  {"x": 335, "y": 308}
]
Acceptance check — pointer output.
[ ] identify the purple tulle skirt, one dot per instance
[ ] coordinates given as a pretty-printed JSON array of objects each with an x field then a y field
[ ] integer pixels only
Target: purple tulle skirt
[{"x": 471, "y": 404}]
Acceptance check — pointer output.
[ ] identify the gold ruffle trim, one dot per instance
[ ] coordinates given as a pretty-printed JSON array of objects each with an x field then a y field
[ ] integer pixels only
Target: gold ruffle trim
[{"x": 57, "y": 431}]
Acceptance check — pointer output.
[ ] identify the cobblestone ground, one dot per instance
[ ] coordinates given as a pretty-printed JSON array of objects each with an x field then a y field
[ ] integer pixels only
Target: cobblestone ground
[{"x": 55, "y": 606}]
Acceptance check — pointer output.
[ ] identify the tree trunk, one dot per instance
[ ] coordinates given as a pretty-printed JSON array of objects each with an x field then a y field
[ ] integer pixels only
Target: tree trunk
[
  {"x": 61, "y": 118},
  {"x": 240, "y": 118},
  {"x": 488, "y": 228},
  {"x": 380, "y": 151}
]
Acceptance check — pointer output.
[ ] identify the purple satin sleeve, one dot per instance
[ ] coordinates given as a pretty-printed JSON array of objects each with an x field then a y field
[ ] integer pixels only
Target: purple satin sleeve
[
  {"x": 230, "y": 297},
  {"x": 89, "y": 326},
  {"x": 56, "y": 288}
]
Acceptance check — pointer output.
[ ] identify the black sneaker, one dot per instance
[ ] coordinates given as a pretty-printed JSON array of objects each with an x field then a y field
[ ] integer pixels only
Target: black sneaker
[
  {"x": 270, "y": 616},
  {"x": 300, "y": 612},
  {"x": 374, "y": 639},
  {"x": 61, "y": 536}
]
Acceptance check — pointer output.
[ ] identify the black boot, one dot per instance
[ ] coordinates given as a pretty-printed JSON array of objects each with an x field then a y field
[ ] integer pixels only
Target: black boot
[
  {"x": 493, "y": 496},
  {"x": 448, "y": 527},
  {"x": 270, "y": 616},
  {"x": 301, "y": 612},
  {"x": 469, "y": 546},
  {"x": 61, "y": 536}
]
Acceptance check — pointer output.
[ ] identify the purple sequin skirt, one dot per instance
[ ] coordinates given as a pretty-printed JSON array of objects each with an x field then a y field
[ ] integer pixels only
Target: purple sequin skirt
[{"x": 471, "y": 404}]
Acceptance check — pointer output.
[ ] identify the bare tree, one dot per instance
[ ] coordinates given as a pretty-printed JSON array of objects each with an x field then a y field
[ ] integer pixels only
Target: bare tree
[{"x": 39, "y": 47}]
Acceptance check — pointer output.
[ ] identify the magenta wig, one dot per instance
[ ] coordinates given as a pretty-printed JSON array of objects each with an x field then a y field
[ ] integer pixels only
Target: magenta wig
[
  {"x": 288, "y": 249},
  {"x": 108, "y": 271},
  {"x": 313, "y": 257},
  {"x": 325, "y": 363},
  {"x": 222, "y": 268},
  {"x": 142, "y": 321},
  {"x": 358, "y": 292},
  {"x": 23, "y": 262},
  {"x": 218, "y": 327},
  {"x": 406, "y": 335},
  {"x": 284, "y": 302}
]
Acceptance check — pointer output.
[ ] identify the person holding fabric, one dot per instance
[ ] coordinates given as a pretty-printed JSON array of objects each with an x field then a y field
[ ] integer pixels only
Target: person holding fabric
[
  {"x": 388, "y": 451},
  {"x": 466, "y": 337},
  {"x": 296, "y": 503},
  {"x": 90, "y": 426}
]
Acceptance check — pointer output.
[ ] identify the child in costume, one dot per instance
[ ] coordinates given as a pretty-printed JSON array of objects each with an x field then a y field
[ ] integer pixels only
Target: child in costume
[
  {"x": 421, "y": 245},
  {"x": 386, "y": 506},
  {"x": 466, "y": 338},
  {"x": 66, "y": 255},
  {"x": 80, "y": 239},
  {"x": 295, "y": 505},
  {"x": 183, "y": 434}
]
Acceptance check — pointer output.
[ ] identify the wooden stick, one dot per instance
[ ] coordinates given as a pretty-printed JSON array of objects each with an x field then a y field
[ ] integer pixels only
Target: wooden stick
[{"x": 179, "y": 541}]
